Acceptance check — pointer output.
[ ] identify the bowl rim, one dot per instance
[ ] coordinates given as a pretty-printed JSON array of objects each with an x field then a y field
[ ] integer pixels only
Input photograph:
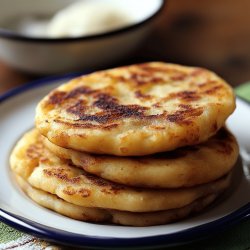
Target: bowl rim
[{"x": 11, "y": 35}]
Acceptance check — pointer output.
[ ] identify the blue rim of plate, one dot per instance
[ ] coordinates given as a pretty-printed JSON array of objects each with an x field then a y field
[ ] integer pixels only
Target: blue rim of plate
[
  {"x": 38, "y": 83},
  {"x": 73, "y": 239}
]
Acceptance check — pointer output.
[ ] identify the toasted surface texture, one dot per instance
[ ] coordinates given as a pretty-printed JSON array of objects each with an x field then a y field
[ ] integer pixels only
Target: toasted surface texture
[
  {"x": 183, "y": 167},
  {"x": 136, "y": 110},
  {"x": 43, "y": 170},
  {"x": 60, "y": 206}
]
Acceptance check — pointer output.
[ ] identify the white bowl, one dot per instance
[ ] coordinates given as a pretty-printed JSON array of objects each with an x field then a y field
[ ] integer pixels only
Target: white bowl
[{"x": 43, "y": 55}]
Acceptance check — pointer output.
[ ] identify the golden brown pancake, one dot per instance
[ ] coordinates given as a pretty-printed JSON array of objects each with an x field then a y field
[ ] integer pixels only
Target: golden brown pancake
[
  {"x": 45, "y": 171},
  {"x": 63, "y": 207},
  {"x": 136, "y": 110},
  {"x": 183, "y": 167}
]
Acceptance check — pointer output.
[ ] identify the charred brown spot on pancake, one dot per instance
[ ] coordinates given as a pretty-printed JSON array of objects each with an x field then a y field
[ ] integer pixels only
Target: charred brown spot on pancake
[
  {"x": 34, "y": 151},
  {"x": 157, "y": 105},
  {"x": 115, "y": 78},
  {"x": 184, "y": 115},
  {"x": 69, "y": 191},
  {"x": 105, "y": 102},
  {"x": 139, "y": 94},
  {"x": 213, "y": 90},
  {"x": 139, "y": 78},
  {"x": 59, "y": 173},
  {"x": 78, "y": 108},
  {"x": 142, "y": 78},
  {"x": 110, "y": 104},
  {"x": 79, "y": 91},
  {"x": 138, "y": 75},
  {"x": 185, "y": 106},
  {"x": 174, "y": 73},
  {"x": 179, "y": 77},
  {"x": 107, "y": 186},
  {"x": 158, "y": 127},
  {"x": 78, "y": 124},
  {"x": 84, "y": 192},
  {"x": 98, "y": 117},
  {"x": 176, "y": 117},
  {"x": 97, "y": 181},
  {"x": 206, "y": 84},
  {"x": 185, "y": 95},
  {"x": 45, "y": 160},
  {"x": 109, "y": 191},
  {"x": 111, "y": 110},
  {"x": 58, "y": 97}
]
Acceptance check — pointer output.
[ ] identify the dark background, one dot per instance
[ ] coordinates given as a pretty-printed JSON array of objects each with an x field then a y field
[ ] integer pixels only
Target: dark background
[{"x": 210, "y": 33}]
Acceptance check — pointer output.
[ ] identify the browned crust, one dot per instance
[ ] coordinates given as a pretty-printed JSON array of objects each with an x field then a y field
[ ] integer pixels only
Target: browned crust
[
  {"x": 110, "y": 112},
  {"x": 104, "y": 110},
  {"x": 162, "y": 106}
]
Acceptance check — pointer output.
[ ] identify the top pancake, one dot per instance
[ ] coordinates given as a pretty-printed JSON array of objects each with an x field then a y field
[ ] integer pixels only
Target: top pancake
[{"x": 136, "y": 110}]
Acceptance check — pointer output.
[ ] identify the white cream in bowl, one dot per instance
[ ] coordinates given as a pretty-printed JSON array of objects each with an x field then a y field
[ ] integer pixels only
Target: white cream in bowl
[
  {"x": 58, "y": 36},
  {"x": 88, "y": 18},
  {"x": 79, "y": 18}
]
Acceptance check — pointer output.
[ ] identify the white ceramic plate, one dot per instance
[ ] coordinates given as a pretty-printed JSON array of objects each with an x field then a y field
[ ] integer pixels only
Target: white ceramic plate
[{"x": 17, "y": 110}]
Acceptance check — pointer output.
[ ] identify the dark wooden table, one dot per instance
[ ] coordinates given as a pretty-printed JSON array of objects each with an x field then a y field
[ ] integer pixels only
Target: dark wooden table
[{"x": 214, "y": 34}]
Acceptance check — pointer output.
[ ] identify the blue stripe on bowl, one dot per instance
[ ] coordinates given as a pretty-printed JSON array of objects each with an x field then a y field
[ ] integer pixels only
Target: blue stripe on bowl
[{"x": 38, "y": 83}]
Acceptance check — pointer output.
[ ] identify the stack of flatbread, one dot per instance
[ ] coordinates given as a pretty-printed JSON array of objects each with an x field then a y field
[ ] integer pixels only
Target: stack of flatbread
[{"x": 138, "y": 145}]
